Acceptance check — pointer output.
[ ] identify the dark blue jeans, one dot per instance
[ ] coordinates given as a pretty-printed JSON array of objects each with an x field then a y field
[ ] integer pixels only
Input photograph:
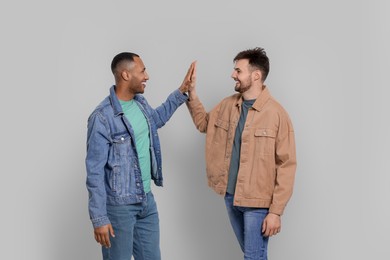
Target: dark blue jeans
[
  {"x": 137, "y": 231},
  {"x": 246, "y": 223}
]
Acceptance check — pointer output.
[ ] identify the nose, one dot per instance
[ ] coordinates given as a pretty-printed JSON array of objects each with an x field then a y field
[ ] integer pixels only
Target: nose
[
  {"x": 233, "y": 74},
  {"x": 146, "y": 76}
]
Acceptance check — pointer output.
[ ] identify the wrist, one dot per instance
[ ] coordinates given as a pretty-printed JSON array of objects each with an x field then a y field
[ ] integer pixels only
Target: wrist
[
  {"x": 192, "y": 94},
  {"x": 182, "y": 90}
]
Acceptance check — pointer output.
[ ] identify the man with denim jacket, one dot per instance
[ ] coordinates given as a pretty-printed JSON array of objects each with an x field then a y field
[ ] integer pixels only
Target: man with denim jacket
[
  {"x": 250, "y": 153},
  {"x": 123, "y": 156}
]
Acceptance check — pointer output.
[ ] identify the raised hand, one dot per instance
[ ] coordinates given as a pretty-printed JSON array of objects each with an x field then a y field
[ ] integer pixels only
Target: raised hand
[{"x": 190, "y": 79}]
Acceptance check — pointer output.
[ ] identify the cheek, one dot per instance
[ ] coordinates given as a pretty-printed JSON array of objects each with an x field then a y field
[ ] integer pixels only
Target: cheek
[{"x": 249, "y": 79}]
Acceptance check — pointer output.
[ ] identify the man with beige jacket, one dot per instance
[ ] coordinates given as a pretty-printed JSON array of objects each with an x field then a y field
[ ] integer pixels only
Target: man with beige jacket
[{"x": 250, "y": 153}]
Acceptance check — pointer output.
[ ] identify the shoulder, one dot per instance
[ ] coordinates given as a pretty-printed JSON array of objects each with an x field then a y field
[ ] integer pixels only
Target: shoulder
[
  {"x": 225, "y": 105},
  {"x": 280, "y": 111},
  {"x": 140, "y": 99},
  {"x": 101, "y": 109},
  {"x": 230, "y": 100}
]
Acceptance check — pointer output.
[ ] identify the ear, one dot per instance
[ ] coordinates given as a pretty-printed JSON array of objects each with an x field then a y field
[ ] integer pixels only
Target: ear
[
  {"x": 257, "y": 75},
  {"x": 125, "y": 75}
]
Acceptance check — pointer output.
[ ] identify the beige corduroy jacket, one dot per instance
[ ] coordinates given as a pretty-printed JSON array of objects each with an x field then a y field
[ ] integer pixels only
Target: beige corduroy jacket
[{"x": 267, "y": 160}]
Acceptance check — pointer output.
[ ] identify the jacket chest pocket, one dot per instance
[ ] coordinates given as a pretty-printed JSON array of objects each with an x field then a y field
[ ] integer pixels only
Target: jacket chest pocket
[
  {"x": 221, "y": 131},
  {"x": 121, "y": 144},
  {"x": 265, "y": 141}
]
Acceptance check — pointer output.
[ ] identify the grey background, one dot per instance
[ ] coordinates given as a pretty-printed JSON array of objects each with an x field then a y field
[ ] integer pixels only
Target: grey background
[{"x": 328, "y": 69}]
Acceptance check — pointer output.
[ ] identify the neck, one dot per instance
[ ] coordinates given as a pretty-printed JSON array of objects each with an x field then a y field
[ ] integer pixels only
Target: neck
[
  {"x": 253, "y": 92},
  {"x": 122, "y": 93}
]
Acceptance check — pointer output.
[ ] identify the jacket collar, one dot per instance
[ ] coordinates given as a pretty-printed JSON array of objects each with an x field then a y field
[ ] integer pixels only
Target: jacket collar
[
  {"x": 116, "y": 106},
  {"x": 260, "y": 100}
]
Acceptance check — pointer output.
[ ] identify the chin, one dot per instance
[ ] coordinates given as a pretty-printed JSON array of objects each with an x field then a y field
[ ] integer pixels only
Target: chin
[{"x": 239, "y": 90}]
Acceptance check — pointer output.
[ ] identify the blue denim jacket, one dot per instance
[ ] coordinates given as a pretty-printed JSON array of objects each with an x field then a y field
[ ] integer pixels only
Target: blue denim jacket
[{"x": 113, "y": 173}]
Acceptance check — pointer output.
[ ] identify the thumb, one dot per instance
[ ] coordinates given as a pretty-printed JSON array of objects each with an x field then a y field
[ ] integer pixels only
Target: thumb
[
  {"x": 264, "y": 226},
  {"x": 111, "y": 230}
]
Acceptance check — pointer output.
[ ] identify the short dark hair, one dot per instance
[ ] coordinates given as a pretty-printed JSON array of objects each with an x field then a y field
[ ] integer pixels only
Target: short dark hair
[
  {"x": 124, "y": 56},
  {"x": 257, "y": 58}
]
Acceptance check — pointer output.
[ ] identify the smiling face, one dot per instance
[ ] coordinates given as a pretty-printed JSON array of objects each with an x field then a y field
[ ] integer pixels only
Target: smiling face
[
  {"x": 137, "y": 76},
  {"x": 243, "y": 76}
]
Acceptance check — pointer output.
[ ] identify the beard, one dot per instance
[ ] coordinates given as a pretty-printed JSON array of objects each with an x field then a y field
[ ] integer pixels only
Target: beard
[
  {"x": 242, "y": 87},
  {"x": 137, "y": 87}
]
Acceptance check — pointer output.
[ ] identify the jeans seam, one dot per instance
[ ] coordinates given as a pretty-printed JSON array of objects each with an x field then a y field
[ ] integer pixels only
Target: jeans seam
[{"x": 141, "y": 246}]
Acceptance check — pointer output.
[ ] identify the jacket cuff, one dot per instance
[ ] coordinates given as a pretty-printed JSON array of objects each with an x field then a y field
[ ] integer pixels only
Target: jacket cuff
[
  {"x": 98, "y": 222},
  {"x": 181, "y": 97},
  {"x": 276, "y": 209}
]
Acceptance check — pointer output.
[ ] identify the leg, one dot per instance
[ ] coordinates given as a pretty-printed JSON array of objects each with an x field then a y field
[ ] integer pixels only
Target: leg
[
  {"x": 255, "y": 243},
  {"x": 236, "y": 218},
  {"x": 123, "y": 219},
  {"x": 147, "y": 232}
]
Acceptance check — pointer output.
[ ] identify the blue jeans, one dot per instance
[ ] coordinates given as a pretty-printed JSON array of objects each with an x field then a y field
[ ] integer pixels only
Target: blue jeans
[
  {"x": 137, "y": 231},
  {"x": 246, "y": 223}
]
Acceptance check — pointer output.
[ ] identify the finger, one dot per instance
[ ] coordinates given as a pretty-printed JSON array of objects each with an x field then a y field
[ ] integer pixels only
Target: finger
[
  {"x": 276, "y": 230},
  {"x": 189, "y": 72},
  {"x": 270, "y": 230},
  {"x": 111, "y": 231},
  {"x": 106, "y": 240},
  {"x": 193, "y": 70},
  {"x": 98, "y": 238},
  {"x": 102, "y": 240},
  {"x": 264, "y": 227},
  {"x": 193, "y": 76}
]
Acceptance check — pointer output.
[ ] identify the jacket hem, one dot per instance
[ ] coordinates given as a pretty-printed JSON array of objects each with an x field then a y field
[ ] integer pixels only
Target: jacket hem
[{"x": 125, "y": 200}]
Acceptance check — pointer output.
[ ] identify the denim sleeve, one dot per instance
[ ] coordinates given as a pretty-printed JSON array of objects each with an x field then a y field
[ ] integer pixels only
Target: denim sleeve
[
  {"x": 97, "y": 154},
  {"x": 163, "y": 113}
]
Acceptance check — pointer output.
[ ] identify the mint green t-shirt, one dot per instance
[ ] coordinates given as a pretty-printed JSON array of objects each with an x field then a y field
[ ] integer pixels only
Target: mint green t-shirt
[{"x": 141, "y": 131}]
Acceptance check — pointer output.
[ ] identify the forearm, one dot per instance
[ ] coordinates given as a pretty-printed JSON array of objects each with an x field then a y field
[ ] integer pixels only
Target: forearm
[
  {"x": 197, "y": 111},
  {"x": 283, "y": 187},
  {"x": 285, "y": 173},
  {"x": 97, "y": 196},
  {"x": 165, "y": 111}
]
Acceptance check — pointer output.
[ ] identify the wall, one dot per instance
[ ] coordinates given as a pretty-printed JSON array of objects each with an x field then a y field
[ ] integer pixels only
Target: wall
[{"x": 328, "y": 68}]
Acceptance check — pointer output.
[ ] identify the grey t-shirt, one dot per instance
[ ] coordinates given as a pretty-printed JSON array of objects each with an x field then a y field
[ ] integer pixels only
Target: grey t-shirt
[{"x": 235, "y": 159}]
